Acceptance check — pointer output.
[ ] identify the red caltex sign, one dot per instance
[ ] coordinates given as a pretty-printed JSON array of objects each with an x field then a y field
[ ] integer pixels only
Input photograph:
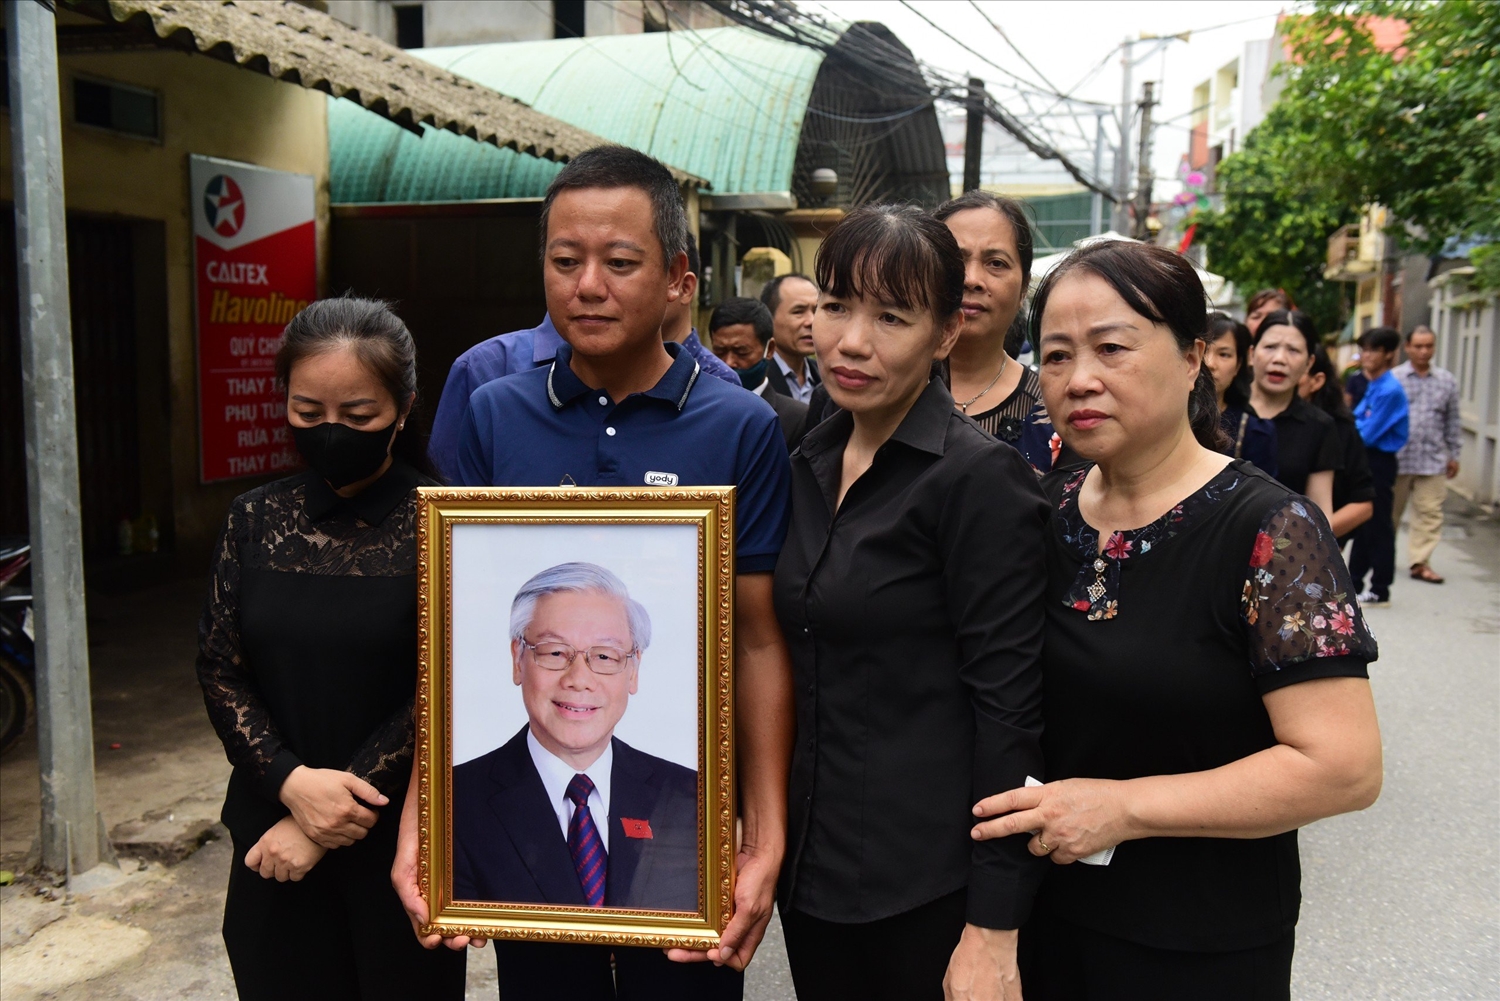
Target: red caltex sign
[{"x": 255, "y": 266}]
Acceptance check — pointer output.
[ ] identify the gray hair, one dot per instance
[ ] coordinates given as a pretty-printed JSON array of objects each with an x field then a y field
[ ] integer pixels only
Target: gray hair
[{"x": 578, "y": 577}]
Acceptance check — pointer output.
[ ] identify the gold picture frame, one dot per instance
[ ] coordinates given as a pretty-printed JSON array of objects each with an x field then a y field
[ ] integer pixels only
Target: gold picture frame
[{"x": 710, "y": 512}]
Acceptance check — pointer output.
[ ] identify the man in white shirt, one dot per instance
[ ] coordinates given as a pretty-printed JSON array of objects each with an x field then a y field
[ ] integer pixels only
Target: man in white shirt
[
  {"x": 565, "y": 812},
  {"x": 792, "y": 300}
]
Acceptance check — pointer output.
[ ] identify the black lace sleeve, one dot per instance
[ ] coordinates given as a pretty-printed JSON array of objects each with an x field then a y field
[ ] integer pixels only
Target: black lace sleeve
[
  {"x": 384, "y": 759},
  {"x": 1298, "y": 603},
  {"x": 235, "y": 707}
]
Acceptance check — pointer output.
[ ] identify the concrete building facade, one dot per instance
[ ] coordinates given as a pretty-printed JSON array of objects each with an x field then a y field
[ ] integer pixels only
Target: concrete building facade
[
  {"x": 131, "y": 258},
  {"x": 415, "y": 24},
  {"x": 1467, "y": 325}
]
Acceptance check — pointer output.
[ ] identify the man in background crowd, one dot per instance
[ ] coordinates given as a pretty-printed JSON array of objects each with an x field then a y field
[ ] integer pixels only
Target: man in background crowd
[
  {"x": 520, "y": 350},
  {"x": 740, "y": 330},
  {"x": 1430, "y": 456},
  {"x": 1381, "y": 416},
  {"x": 678, "y": 326},
  {"x": 792, "y": 299}
]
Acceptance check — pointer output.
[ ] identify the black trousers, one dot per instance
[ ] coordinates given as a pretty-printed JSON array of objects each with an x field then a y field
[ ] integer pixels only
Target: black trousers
[
  {"x": 541, "y": 971},
  {"x": 1374, "y": 551},
  {"x": 900, "y": 958},
  {"x": 338, "y": 935},
  {"x": 1061, "y": 961}
]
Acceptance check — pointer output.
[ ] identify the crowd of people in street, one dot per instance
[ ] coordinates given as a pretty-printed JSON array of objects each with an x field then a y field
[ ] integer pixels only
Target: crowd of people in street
[{"x": 1038, "y": 669}]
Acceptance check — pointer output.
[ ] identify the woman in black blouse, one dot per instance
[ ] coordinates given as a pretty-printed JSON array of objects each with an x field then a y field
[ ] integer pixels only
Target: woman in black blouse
[
  {"x": 1308, "y": 452},
  {"x": 1353, "y": 485},
  {"x": 1206, "y": 689},
  {"x": 909, "y": 590},
  {"x": 307, "y": 657},
  {"x": 1248, "y": 437},
  {"x": 1002, "y": 395}
]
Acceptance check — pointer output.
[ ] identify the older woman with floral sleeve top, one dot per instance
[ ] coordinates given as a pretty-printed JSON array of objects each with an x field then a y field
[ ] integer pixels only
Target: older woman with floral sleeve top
[{"x": 1206, "y": 691}]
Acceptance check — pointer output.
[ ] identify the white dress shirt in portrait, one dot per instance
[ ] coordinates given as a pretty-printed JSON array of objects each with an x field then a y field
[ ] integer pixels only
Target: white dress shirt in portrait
[{"x": 556, "y": 774}]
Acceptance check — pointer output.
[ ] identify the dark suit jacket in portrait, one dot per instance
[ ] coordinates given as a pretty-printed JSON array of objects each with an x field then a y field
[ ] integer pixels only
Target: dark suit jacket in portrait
[{"x": 509, "y": 848}]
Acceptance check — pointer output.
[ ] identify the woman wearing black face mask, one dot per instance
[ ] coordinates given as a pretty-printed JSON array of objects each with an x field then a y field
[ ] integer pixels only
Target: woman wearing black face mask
[{"x": 308, "y": 664}]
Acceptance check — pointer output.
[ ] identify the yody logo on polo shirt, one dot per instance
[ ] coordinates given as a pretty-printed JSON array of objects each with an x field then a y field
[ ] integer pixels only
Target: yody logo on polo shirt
[{"x": 655, "y": 479}]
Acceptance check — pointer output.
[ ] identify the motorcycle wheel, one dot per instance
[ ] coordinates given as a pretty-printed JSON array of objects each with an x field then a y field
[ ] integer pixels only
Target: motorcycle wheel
[{"x": 17, "y": 703}]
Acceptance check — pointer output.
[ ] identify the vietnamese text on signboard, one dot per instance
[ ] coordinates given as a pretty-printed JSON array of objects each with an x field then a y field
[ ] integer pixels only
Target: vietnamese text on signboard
[{"x": 254, "y": 268}]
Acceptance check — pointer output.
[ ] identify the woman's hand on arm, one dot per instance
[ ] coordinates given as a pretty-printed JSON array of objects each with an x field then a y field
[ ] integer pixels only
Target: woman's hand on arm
[
  {"x": 323, "y": 801},
  {"x": 284, "y": 852},
  {"x": 1327, "y": 761},
  {"x": 983, "y": 967},
  {"x": 766, "y": 721},
  {"x": 404, "y": 876}
]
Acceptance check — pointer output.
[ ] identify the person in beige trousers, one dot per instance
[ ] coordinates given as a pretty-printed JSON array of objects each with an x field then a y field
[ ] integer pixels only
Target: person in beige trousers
[{"x": 1430, "y": 457}]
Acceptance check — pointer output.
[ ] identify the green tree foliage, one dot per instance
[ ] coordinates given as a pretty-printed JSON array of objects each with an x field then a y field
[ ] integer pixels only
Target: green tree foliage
[
  {"x": 1273, "y": 233},
  {"x": 1415, "y": 128}
]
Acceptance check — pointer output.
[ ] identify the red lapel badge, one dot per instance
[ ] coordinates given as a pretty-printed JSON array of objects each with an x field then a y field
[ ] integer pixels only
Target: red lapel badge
[{"x": 636, "y": 828}]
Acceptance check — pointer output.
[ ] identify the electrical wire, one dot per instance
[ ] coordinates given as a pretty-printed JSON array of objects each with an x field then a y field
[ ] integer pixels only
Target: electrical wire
[{"x": 1001, "y": 32}]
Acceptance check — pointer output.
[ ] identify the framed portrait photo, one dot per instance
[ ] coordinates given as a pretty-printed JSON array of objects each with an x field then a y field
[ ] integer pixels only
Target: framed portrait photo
[{"x": 575, "y": 713}]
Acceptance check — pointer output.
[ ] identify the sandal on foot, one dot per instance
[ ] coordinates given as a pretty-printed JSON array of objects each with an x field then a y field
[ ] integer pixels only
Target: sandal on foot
[{"x": 1422, "y": 571}]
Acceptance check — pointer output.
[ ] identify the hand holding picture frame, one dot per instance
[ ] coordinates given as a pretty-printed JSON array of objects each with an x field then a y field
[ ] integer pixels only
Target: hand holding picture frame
[{"x": 575, "y": 728}]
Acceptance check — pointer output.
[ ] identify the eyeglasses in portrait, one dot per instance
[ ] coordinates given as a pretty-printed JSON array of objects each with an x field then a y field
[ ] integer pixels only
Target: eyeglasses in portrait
[{"x": 574, "y": 739}]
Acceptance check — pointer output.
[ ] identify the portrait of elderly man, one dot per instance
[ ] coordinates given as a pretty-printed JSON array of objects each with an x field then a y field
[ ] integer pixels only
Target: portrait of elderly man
[{"x": 565, "y": 812}]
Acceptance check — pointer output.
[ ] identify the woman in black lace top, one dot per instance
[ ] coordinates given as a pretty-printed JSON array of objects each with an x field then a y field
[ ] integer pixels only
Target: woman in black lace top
[
  {"x": 1205, "y": 689},
  {"x": 307, "y": 658},
  {"x": 1002, "y": 396}
]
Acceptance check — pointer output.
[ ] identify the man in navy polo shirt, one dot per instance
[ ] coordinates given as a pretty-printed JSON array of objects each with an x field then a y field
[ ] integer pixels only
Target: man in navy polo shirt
[
  {"x": 618, "y": 407},
  {"x": 523, "y": 350}
]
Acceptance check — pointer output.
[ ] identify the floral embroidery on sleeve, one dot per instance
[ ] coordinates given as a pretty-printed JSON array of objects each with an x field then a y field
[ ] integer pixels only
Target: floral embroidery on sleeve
[{"x": 1297, "y": 600}]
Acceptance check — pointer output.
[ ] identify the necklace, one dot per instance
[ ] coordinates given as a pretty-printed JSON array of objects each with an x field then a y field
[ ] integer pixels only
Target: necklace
[{"x": 1004, "y": 361}]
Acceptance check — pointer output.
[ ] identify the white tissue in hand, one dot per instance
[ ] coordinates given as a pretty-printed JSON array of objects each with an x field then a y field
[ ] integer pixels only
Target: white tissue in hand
[{"x": 1098, "y": 858}]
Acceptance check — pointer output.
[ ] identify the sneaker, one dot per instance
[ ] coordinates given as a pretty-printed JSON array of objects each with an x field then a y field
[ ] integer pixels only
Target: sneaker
[{"x": 1369, "y": 599}]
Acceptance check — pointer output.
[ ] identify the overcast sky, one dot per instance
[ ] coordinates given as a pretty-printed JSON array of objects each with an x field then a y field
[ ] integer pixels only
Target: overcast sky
[{"x": 1068, "y": 40}]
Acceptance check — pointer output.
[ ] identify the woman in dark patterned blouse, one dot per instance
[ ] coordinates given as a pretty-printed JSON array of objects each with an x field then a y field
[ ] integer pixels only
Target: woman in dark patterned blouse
[
  {"x": 998, "y": 392},
  {"x": 1206, "y": 689},
  {"x": 307, "y": 657}
]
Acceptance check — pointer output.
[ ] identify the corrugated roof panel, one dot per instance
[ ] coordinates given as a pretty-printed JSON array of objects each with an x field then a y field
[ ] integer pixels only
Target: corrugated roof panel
[
  {"x": 374, "y": 160},
  {"x": 292, "y": 42},
  {"x": 726, "y": 104}
]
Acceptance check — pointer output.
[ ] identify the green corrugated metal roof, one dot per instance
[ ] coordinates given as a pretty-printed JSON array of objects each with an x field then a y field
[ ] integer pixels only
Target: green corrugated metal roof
[
  {"x": 725, "y": 103},
  {"x": 371, "y": 159}
]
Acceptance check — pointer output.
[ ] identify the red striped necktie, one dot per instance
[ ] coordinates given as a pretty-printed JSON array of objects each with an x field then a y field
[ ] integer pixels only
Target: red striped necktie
[{"x": 587, "y": 848}]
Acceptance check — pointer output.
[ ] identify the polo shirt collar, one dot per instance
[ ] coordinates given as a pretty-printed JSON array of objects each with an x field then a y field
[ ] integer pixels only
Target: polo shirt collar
[
  {"x": 1298, "y": 410},
  {"x": 545, "y": 341},
  {"x": 563, "y": 386},
  {"x": 372, "y": 505}
]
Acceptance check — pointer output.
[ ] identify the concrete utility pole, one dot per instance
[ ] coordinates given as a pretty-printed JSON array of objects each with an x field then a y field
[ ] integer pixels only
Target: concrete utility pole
[
  {"x": 974, "y": 134},
  {"x": 72, "y": 835},
  {"x": 1121, "y": 220},
  {"x": 1143, "y": 161},
  {"x": 1096, "y": 207}
]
